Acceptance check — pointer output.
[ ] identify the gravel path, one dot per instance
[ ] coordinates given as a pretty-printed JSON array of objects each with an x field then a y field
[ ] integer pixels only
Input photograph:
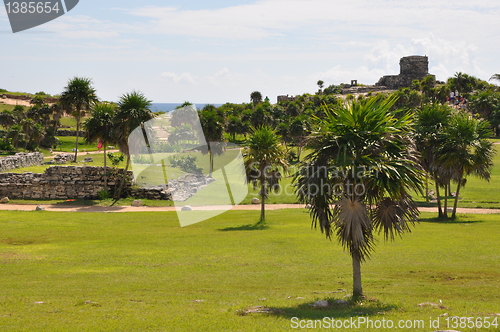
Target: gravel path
[{"x": 269, "y": 207}]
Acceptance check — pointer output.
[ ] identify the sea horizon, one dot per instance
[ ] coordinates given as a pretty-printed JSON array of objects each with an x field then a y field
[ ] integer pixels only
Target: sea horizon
[{"x": 169, "y": 107}]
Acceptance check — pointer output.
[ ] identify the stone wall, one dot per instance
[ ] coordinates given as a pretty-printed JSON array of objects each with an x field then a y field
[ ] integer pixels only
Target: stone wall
[
  {"x": 20, "y": 160},
  {"x": 363, "y": 89},
  {"x": 69, "y": 133},
  {"x": 66, "y": 182},
  {"x": 59, "y": 182}
]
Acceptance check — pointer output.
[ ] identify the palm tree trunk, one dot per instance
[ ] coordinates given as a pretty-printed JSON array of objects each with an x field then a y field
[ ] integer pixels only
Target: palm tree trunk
[
  {"x": 263, "y": 202},
  {"x": 454, "y": 214},
  {"x": 105, "y": 169},
  {"x": 357, "y": 288},
  {"x": 440, "y": 209},
  {"x": 77, "y": 135},
  {"x": 122, "y": 182},
  {"x": 211, "y": 162},
  {"x": 427, "y": 187},
  {"x": 446, "y": 193}
]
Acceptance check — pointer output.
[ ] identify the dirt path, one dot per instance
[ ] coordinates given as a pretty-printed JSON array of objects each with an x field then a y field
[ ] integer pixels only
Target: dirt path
[
  {"x": 269, "y": 207},
  {"x": 80, "y": 153}
]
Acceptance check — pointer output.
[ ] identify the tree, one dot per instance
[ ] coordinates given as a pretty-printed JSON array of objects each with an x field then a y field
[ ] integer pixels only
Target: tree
[
  {"x": 183, "y": 115},
  {"x": 99, "y": 128},
  {"x": 133, "y": 111},
  {"x": 256, "y": 97},
  {"x": 78, "y": 97},
  {"x": 213, "y": 123},
  {"x": 466, "y": 150},
  {"x": 320, "y": 84},
  {"x": 430, "y": 123},
  {"x": 360, "y": 176},
  {"x": 264, "y": 162}
]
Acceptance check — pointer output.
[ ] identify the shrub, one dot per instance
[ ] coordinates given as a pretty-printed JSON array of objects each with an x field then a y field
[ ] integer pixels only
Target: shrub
[
  {"x": 103, "y": 194},
  {"x": 187, "y": 163}
]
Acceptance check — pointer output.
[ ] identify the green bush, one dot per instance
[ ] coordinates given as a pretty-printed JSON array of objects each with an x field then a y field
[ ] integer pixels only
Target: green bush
[
  {"x": 187, "y": 163},
  {"x": 103, "y": 194}
]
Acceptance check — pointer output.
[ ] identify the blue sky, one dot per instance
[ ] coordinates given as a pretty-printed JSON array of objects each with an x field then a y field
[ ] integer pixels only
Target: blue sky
[{"x": 221, "y": 51}]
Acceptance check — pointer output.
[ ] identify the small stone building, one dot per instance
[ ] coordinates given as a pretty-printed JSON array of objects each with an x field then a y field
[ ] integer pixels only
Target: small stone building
[{"x": 414, "y": 67}]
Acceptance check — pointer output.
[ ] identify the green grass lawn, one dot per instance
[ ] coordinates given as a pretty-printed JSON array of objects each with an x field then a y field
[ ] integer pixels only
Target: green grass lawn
[{"x": 142, "y": 272}]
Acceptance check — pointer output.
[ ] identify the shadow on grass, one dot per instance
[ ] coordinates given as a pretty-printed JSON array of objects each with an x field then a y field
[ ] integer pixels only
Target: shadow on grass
[
  {"x": 260, "y": 225},
  {"x": 367, "y": 307},
  {"x": 460, "y": 220}
]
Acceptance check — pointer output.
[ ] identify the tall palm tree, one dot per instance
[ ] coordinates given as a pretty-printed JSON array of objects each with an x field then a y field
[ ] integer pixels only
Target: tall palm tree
[
  {"x": 431, "y": 120},
  {"x": 256, "y": 97},
  {"x": 78, "y": 97},
  {"x": 133, "y": 111},
  {"x": 360, "y": 176},
  {"x": 264, "y": 162},
  {"x": 213, "y": 123},
  {"x": 466, "y": 150},
  {"x": 99, "y": 128}
]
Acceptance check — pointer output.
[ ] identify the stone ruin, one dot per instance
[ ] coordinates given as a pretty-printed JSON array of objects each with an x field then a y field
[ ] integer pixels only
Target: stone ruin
[
  {"x": 20, "y": 160},
  {"x": 415, "y": 67},
  {"x": 66, "y": 182}
]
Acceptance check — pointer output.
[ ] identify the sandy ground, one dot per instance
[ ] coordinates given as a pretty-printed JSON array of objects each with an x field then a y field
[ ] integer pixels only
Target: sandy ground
[
  {"x": 9, "y": 101},
  {"x": 269, "y": 207}
]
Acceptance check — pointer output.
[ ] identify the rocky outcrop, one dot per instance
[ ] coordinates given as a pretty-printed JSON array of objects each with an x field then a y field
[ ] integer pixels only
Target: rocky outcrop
[
  {"x": 187, "y": 186},
  {"x": 20, "y": 160}
]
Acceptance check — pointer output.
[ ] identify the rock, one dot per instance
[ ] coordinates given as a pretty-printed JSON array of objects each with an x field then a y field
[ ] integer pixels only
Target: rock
[
  {"x": 63, "y": 158},
  {"x": 137, "y": 202},
  {"x": 186, "y": 208},
  {"x": 255, "y": 200},
  {"x": 320, "y": 304},
  {"x": 433, "y": 305},
  {"x": 88, "y": 160},
  {"x": 5, "y": 200},
  {"x": 20, "y": 160},
  {"x": 40, "y": 208},
  {"x": 341, "y": 302}
]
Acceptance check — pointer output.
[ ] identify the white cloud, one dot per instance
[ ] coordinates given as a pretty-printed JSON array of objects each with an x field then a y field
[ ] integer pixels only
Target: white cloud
[
  {"x": 337, "y": 75},
  {"x": 223, "y": 73},
  {"x": 184, "y": 78}
]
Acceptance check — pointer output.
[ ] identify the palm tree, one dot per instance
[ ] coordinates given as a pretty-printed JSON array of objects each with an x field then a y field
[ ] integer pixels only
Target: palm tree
[
  {"x": 213, "y": 123},
  {"x": 133, "y": 111},
  {"x": 360, "y": 176},
  {"x": 320, "y": 84},
  {"x": 256, "y": 97},
  {"x": 7, "y": 119},
  {"x": 431, "y": 120},
  {"x": 78, "y": 97},
  {"x": 264, "y": 162},
  {"x": 466, "y": 150},
  {"x": 99, "y": 128}
]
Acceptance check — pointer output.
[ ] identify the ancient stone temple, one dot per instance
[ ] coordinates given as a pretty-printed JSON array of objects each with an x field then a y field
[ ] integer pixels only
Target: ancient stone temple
[{"x": 414, "y": 67}]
